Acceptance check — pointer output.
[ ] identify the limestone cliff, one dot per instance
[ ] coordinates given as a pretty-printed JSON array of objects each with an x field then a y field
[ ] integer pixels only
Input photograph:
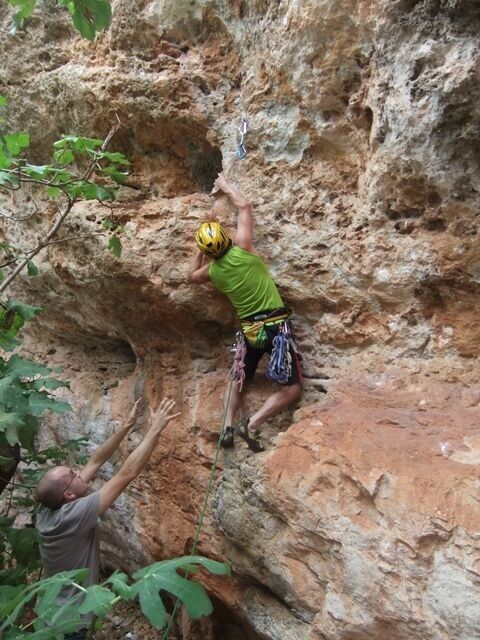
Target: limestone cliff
[{"x": 361, "y": 521}]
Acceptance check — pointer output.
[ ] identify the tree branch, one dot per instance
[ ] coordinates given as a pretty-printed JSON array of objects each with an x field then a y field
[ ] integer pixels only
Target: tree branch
[
  {"x": 85, "y": 235},
  {"x": 66, "y": 210}
]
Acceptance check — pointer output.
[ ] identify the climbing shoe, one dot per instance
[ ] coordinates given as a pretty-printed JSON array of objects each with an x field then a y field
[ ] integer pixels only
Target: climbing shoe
[
  {"x": 250, "y": 437},
  {"x": 227, "y": 437}
]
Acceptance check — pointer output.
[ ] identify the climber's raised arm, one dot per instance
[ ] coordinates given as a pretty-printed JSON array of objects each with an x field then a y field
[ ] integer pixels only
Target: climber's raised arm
[
  {"x": 198, "y": 270},
  {"x": 244, "y": 233}
]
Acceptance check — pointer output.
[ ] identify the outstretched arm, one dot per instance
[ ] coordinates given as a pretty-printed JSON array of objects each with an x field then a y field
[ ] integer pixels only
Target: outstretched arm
[
  {"x": 106, "y": 450},
  {"x": 198, "y": 270},
  {"x": 244, "y": 233},
  {"x": 136, "y": 461}
]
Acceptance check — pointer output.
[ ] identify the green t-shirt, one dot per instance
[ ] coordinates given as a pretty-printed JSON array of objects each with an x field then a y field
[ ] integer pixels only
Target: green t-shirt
[{"x": 244, "y": 278}]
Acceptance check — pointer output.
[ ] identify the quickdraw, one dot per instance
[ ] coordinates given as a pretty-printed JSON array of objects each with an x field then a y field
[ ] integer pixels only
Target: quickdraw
[
  {"x": 242, "y": 130},
  {"x": 280, "y": 364},
  {"x": 237, "y": 371}
]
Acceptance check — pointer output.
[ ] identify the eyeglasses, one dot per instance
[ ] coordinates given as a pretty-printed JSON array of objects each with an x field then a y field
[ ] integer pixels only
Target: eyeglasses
[{"x": 73, "y": 475}]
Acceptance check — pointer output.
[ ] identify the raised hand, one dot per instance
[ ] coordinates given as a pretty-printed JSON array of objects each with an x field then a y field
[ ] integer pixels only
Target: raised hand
[
  {"x": 163, "y": 415},
  {"x": 221, "y": 184},
  {"x": 135, "y": 413}
]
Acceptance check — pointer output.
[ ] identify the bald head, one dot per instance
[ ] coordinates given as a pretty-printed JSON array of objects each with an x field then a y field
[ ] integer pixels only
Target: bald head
[{"x": 52, "y": 485}]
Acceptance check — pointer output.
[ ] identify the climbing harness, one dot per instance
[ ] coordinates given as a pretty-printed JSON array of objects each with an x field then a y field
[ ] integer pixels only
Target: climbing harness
[
  {"x": 254, "y": 329},
  {"x": 237, "y": 371},
  {"x": 242, "y": 130},
  {"x": 280, "y": 364},
  {"x": 279, "y": 367},
  {"x": 204, "y": 508}
]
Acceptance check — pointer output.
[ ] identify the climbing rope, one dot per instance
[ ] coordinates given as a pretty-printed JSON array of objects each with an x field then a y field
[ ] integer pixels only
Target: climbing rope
[
  {"x": 204, "y": 508},
  {"x": 237, "y": 371}
]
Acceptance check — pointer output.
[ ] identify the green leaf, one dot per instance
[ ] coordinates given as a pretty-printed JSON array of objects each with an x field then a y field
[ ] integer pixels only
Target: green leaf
[
  {"x": 7, "y": 179},
  {"x": 5, "y": 461},
  {"x": 78, "y": 143},
  {"x": 16, "y": 142},
  {"x": 115, "y": 174},
  {"x": 24, "y": 545},
  {"x": 164, "y": 576},
  {"x": 26, "y": 434},
  {"x": 7, "y": 343},
  {"x": 116, "y": 157},
  {"x": 47, "y": 598},
  {"x": 25, "y": 311},
  {"x": 50, "y": 383},
  {"x": 83, "y": 24},
  {"x": 11, "y": 611},
  {"x": 115, "y": 246},
  {"x": 53, "y": 192},
  {"x": 217, "y": 568},
  {"x": 8, "y": 593},
  {"x": 39, "y": 402},
  {"x": 32, "y": 269},
  {"x": 19, "y": 367},
  {"x": 11, "y": 434},
  {"x": 5, "y": 161},
  {"x": 38, "y": 172},
  {"x": 90, "y": 16},
  {"x": 119, "y": 582},
  {"x": 101, "y": 12},
  {"x": 3, "y": 101},
  {"x": 150, "y": 603},
  {"x": 26, "y": 7},
  {"x": 98, "y": 600},
  {"x": 10, "y": 423},
  {"x": 14, "y": 395},
  {"x": 92, "y": 191},
  {"x": 13, "y": 576},
  {"x": 63, "y": 156},
  {"x": 9, "y": 420}
]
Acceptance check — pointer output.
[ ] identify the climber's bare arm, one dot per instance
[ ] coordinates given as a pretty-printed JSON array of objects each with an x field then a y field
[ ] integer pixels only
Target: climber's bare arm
[
  {"x": 244, "y": 234},
  {"x": 198, "y": 270}
]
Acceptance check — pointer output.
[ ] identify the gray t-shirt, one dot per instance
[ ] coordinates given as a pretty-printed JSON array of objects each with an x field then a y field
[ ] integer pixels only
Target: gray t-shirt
[{"x": 69, "y": 539}]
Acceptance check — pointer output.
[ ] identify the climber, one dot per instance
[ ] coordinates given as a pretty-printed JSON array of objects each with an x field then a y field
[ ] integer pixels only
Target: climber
[
  {"x": 234, "y": 268},
  {"x": 67, "y": 520}
]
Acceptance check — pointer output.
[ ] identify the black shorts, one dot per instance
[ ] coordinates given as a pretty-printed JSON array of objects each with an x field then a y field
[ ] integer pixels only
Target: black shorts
[{"x": 254, "y": 355}]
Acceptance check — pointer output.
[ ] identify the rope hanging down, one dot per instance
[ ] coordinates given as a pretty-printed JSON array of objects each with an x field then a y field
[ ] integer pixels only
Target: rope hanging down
[{"x": 204, "y": 507}]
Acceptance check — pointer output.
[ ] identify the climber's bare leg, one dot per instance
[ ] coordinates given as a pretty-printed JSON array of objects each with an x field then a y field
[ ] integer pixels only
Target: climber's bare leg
[
  {"x": 236, "y": 397},
  {"x": 274, "y": 404}
]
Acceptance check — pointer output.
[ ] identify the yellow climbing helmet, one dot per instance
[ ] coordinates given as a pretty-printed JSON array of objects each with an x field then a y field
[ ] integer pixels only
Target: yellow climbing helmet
[{"x": 212, "y": 239}]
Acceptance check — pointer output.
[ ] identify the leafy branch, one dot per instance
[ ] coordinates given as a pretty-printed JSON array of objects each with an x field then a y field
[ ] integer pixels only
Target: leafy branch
[
  {"x": 59, "y": 180},
  {"x": 88, "y": 16},
  {"x": 99, "y": 599}
]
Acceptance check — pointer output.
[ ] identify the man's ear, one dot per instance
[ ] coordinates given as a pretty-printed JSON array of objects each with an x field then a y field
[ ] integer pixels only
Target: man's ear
[{"x": 68, "y": 496}]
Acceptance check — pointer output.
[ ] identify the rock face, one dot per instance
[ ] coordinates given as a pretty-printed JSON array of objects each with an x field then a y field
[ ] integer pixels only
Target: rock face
[{"x": 361, "y": 521}]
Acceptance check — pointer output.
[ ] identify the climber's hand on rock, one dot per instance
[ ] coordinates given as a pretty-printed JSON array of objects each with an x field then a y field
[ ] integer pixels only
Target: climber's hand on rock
[{"x": 221, "y": 184}]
